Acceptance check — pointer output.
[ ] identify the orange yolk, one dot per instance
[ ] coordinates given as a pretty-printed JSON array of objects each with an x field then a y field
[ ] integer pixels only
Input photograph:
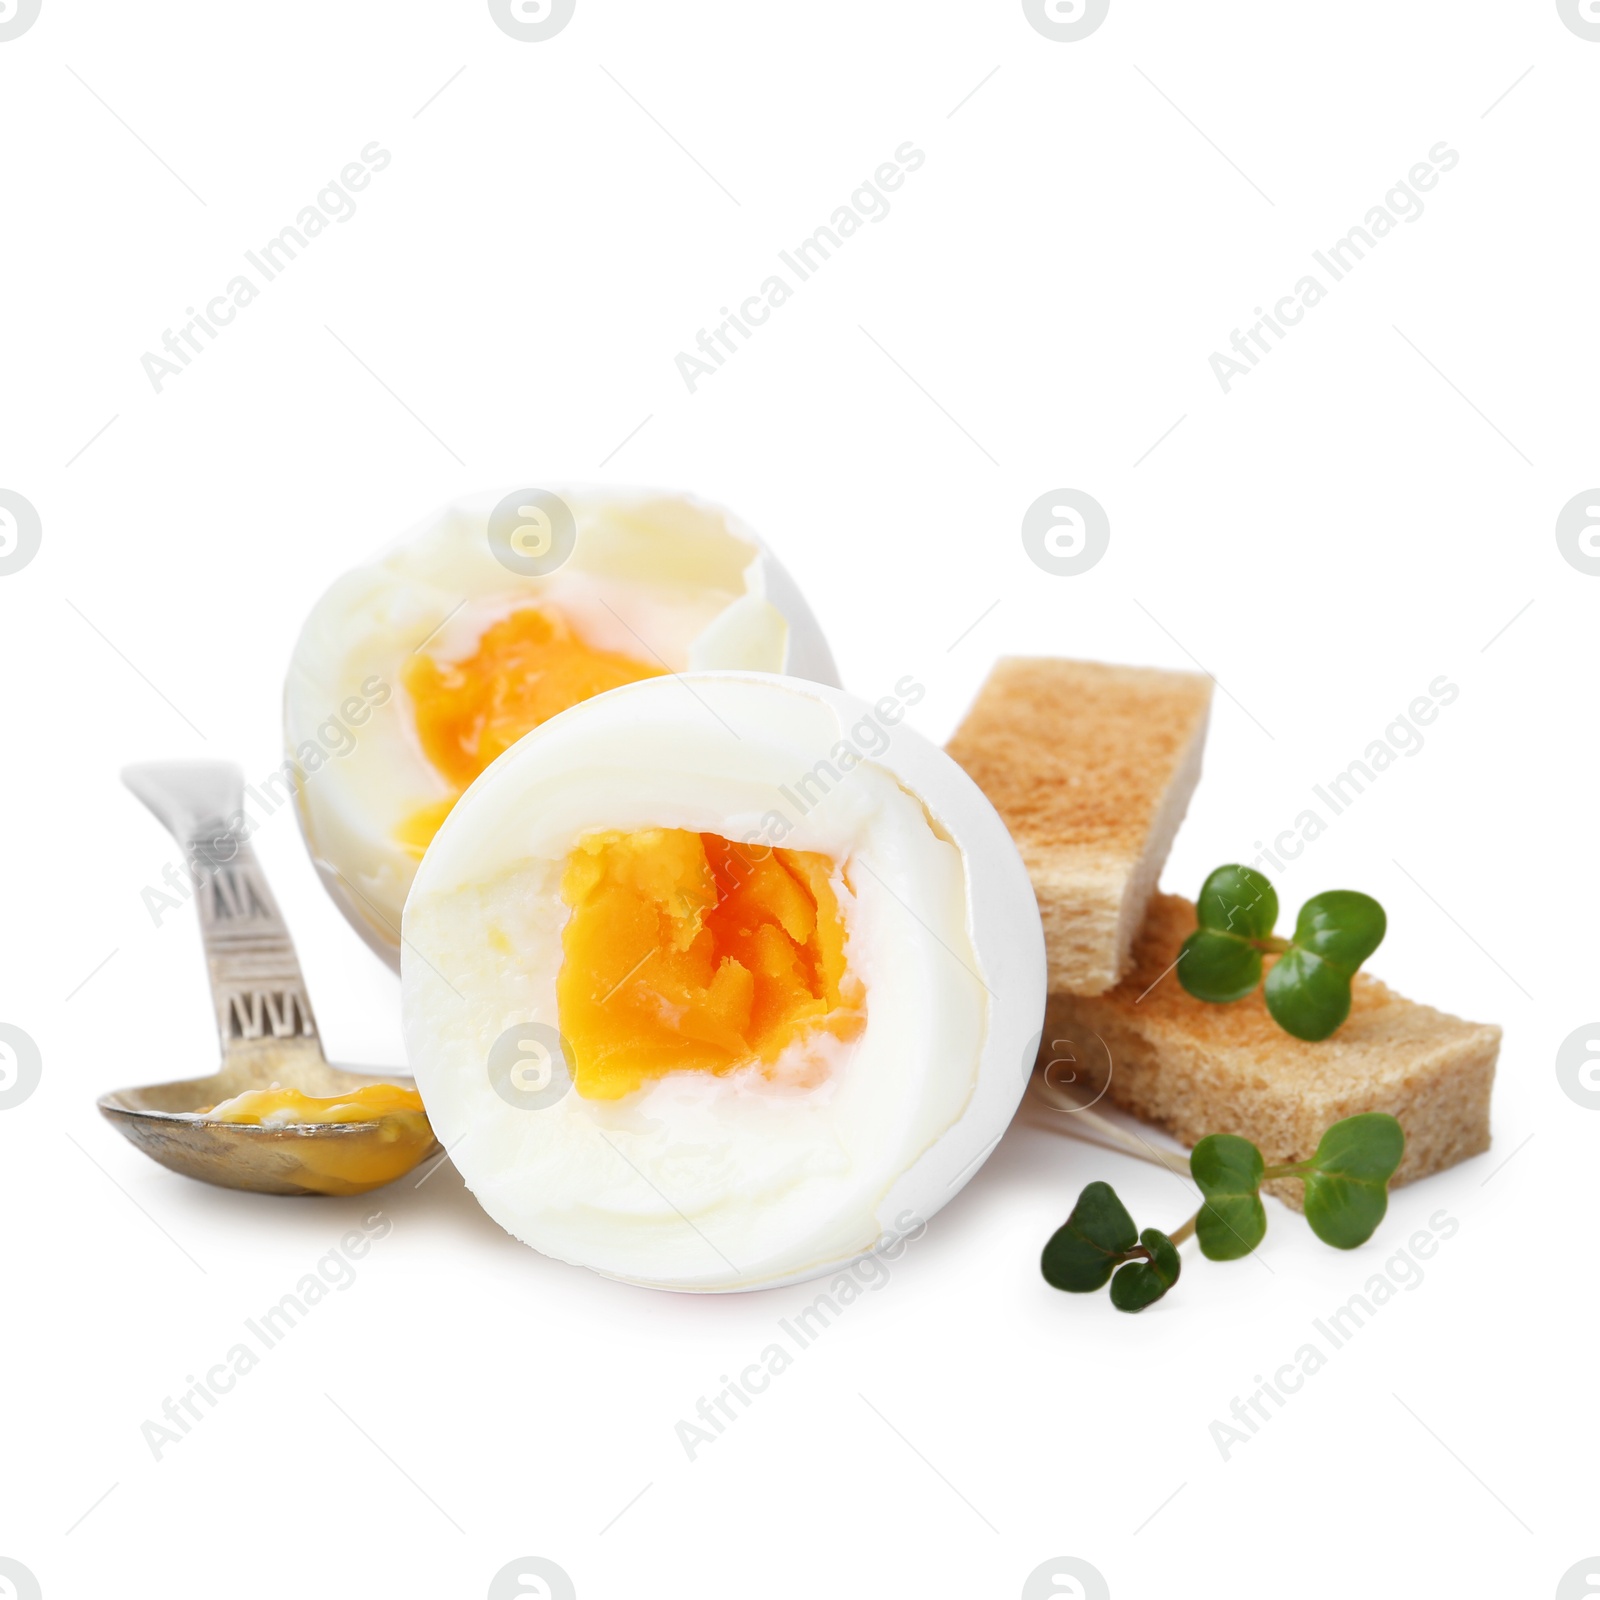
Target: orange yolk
[
  {"x": 527, "y": 667},
  {"x": 347, "y": 1164},
  {"x": 686, "y": 952},
  {"x": 277, "y": 1107}
]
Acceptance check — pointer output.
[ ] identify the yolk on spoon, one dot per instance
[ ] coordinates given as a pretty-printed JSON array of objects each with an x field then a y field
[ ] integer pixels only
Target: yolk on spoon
[
  {"x": 344, "y": 1164},
  {"x": 280, "y": 1108},
  {"x": 527, "y": 667},
  {"x": 686, "y": 951}
]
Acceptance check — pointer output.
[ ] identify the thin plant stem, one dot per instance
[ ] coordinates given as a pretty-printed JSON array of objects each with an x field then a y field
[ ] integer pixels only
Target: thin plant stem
[
  {"x": 1290, "y": 1169},
  {"x": 1131, "y": 1143}
]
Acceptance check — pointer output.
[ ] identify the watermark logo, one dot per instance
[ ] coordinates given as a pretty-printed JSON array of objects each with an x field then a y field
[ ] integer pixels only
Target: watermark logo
[
  {"x": 1067, "y": 1067},
  {"x": 1248, "y": 347},
  {"x": 530, "y": 1066},
  {"x": 1066, "y": 21},
  {"x": 1402, "y": 737},
  {"x": 16, "y": 1582},
  {"x": 531, "y": 1578},
  {"x": 207, "y": 862},
  {"x": 21, "y": 1067},
  {"x": 335, "y": 202},
  {"x": 532, "y": 532},
  {"x": 1578, "y": 530},
  {"x": 216, "y": 847},
  {"x": 865, "y": 741},
  {"x": 1248, "y": 1414},
  {"x": 1067, "y": 1578},
  {"x": 715, "y": 1413},
  {"x": 1578, "y": 1066},
  {"x": 532, "y": 22},
  {"x": 868, "y": 203},
  {"x": 1581, "y": 1582},
  {"x": 1583, "y": 17},
  {"x": 1065, "y": 532},
  {"x": 335, "y": 1272},
  {"x": 20, "y": 530},
  {"x": 16, "y": 17}
]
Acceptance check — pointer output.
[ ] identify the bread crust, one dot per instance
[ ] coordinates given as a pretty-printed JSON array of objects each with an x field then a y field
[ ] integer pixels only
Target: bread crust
[
  {"x": 1091, "y": 766},
  {"x": 1194, "y": 1068}
]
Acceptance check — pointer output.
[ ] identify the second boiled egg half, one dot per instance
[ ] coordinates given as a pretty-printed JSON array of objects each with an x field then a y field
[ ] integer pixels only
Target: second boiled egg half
[{"x": 416, "y": 670}]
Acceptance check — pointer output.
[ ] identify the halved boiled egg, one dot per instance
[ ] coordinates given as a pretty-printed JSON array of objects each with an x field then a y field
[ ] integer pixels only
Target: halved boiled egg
[
  {"x": 715, "y": 981},
  {"x": 414, "y": 672}
]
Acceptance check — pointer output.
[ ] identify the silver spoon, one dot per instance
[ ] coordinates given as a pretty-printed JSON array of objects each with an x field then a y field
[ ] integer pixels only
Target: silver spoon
[{"x": 264, "y": 1019}]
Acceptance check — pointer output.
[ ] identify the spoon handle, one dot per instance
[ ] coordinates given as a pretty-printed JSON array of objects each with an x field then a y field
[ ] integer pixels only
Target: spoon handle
[{"x": 256, "y": 987}]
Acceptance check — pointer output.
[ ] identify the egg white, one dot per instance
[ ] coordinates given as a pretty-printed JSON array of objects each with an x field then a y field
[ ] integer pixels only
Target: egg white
[
  {"x": 672, "y": 582},
  {"x": 697, "y": 1181}
]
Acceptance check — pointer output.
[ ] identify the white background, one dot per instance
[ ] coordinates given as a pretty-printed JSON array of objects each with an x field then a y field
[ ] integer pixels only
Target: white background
[{"x": 1370, "y": 508}]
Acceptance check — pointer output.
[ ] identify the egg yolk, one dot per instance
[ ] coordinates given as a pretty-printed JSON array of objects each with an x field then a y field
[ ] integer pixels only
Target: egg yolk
[
  {"x": 344, "y": 1165},
  {"x": 527, "y": 667},
  {"x": 687, "y": 952},
  {"x": 280, "y": 1108}
]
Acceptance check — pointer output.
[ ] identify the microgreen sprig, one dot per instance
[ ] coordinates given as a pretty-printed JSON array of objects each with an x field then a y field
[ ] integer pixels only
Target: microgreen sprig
[
  {"x": 1308, "y": 989},
  {"x": 1099, "y": 1241},
  {"x": 1346, "y": 1196}
]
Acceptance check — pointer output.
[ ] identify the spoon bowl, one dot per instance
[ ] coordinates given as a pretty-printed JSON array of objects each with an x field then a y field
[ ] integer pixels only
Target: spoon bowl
[
  {"x": 303, "y": 1158},
  {"x": 264, "y": 1019}
]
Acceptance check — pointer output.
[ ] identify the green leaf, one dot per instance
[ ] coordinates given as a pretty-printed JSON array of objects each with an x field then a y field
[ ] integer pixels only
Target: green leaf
[
  {"x": 1307, "y": 996},
  {"x": 1217, "y": 966},
  {"x": 1238, "y": 901},
  {"x": 1218, "y": 961},
  {"x": 1094, "y": 1240},
  {"x": 1142, "y": 1283},
  {"x": 1347, "y": 1184},
  {"x": 1233, "y": 1221},
  {"x": 1308, "y": 990},
  {"x": 1368, "y": 1146},
  {"x": 1342, "y": 926}
]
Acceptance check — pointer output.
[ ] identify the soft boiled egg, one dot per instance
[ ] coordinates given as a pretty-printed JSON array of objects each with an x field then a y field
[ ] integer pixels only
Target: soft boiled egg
[
  {"x": 414, "y": 672},
  {"x": 717, "y": 981}
]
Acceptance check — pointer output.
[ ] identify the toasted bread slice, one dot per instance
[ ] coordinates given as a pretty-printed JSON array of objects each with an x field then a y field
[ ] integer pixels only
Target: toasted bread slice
[
  {"x": 1091, "y": 766},
  {"x": 1195, "y": 1068}
]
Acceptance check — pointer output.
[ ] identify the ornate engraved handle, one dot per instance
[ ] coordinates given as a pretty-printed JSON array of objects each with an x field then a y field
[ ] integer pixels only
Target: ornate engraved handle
[{"x": 256, "y": 986}]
